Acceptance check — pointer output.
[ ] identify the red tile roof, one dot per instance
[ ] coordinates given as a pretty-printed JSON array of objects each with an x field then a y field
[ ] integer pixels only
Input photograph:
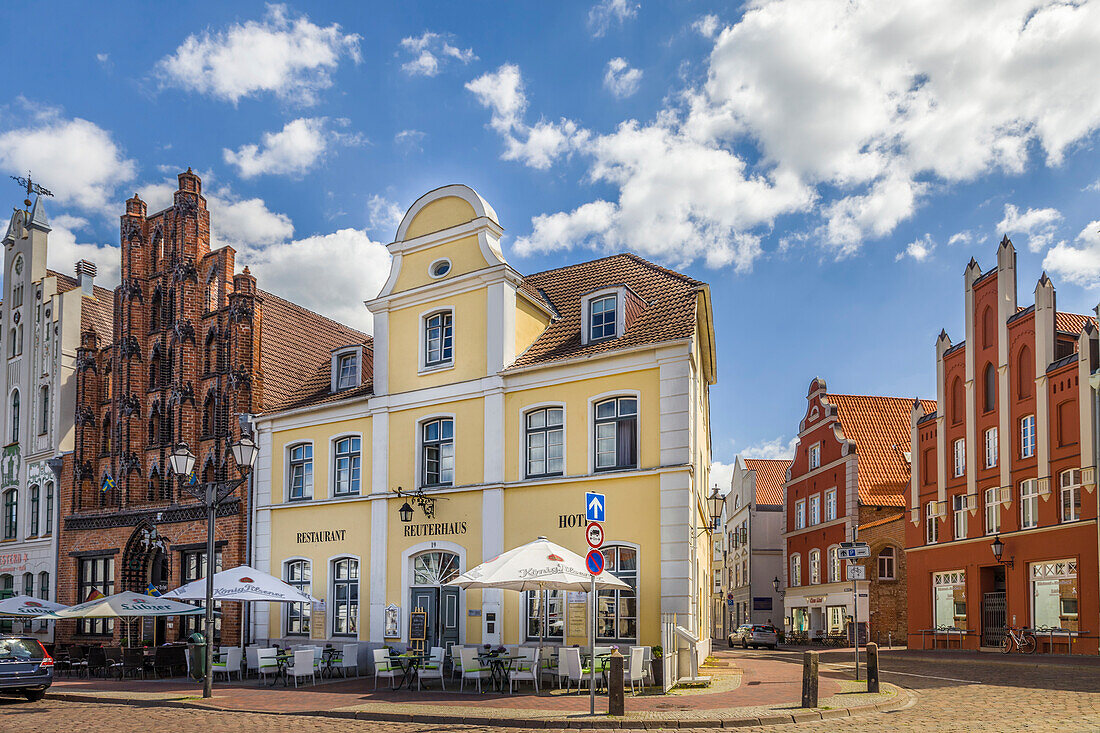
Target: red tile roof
[
  {"x": 880, "y": 522},
  {"x": 668, "y": 314},
  {"x": 96, "y": 314},
  {"x": 880, "y": 428},
  {"x": 1072, "y": 322},
  {"x": 770, "y": 477},
  {"x": 296, "y": 356}
]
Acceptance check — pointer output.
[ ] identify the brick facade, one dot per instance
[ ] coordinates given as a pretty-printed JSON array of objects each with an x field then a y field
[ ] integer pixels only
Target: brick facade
[{"x": 884, "y": 531}]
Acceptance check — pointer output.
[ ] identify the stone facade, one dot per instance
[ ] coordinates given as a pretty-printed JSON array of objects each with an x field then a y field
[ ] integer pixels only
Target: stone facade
[{"x": 884, "y": 533}]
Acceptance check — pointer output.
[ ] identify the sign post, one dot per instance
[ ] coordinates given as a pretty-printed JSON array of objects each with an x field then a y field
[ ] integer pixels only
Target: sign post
[
  {"x": 851, "y": 551},
  {"x": 595, "y": 511}
]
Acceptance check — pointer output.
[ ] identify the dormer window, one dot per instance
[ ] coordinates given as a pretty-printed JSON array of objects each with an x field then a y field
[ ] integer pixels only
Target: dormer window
[
  {"x": 347, "y": 368},
  {"x": 602, "y": 319},
  {"x": 439, "y": 339}
]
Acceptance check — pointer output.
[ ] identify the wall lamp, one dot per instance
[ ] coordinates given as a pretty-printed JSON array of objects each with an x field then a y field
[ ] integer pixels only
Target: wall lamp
[
  {"x": 426, "y": 504},
  {"x": 998, "y": 548}
]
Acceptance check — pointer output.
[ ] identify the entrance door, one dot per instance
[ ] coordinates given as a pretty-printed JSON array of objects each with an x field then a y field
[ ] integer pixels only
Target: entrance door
[
  {"x": 431, "y": 571},
  {"x": 427, "y": 600},
  {"x": 994, "y": 612},
  {"x": 448, "y": 616},
  {"x": 158, "y": 578}
]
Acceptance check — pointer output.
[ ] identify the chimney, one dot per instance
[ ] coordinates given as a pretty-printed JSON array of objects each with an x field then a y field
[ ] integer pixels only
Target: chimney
[{"x": 85, "y": 277}]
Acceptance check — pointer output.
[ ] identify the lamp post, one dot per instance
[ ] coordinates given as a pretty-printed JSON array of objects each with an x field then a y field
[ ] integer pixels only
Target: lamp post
[
  {"x": 998, "y": 548},
  {"x": 212, "y": 494}
]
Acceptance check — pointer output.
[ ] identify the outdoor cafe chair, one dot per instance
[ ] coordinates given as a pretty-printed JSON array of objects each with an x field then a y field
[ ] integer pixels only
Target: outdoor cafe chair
[
  {"x": 636, "y": 671},
  {"x": 229, "y": 662},
  {"x": 383, "y": 668},
  {"x": 547, "y": 661},
  {"x": 574, "y": 671},
  {"x": 647, "y": 658},
  {"x": 563, "y": 666},
  {"x": 132, "y": 662},
  {"x": 97, "y": 660},
  {"x": 527, "y": 670},
  {"x": 472, "y": 669},
  {"x": 348, "y": 658},
  {"x": 318, "y": 656},
  {"x": 456, "y": 661},
  {"x": 303, "y": 666},
  {"x": 251, "y": 659},
  {"x": 266, "y": 663},
  {"x": 433, "y": 668}
]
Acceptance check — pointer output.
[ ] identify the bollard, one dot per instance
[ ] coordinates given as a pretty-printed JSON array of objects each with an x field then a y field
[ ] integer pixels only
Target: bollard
[
  {"x": 872, "y": 667},
  {"x": 809, "y": 680},
  {"x": 615, "y": 696}
]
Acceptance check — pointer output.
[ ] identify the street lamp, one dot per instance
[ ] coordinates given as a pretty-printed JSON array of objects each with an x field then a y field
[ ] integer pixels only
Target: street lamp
[
  {"x": 715, "y": 503},
  {"x": 212, "y": 494},
  {"x": 775, "y": 583},
  {"x": 998, "y": 548},
  {"x": 406, "y": 512}
]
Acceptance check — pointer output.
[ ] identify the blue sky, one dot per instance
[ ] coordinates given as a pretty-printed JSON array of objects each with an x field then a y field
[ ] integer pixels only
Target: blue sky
[{"x": 828, "y": 167}]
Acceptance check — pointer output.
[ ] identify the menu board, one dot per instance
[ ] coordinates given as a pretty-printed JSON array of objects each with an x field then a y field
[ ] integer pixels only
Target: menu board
[
  {"x": 317, "y": 620},
  {"x": 577, "y": 616},
  {"x": 418, "y": 625}
]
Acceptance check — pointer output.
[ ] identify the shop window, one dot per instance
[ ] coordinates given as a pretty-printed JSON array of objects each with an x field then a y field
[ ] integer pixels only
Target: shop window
[
  {"x": 958, "y": 506},
  {"x": 932, "y": 525},
  {"x": 437, "y": 449},
  {"x": 11, "y": 513},
  {"x": 301, "y": 472},
  {"x": 1029, "y": 503},
  {"x": 617, "y": 610},
  {"x": 991, "y": 448},
  {"x": 545, "y": 614},
  {"x": 1027, "y": 436},
  {"x": 439, "y": 339},
  {"x": 992, "y": 510},
  {"x": 886, "y": 560},
  {"x": 815, "y": 567},
  {"x": 345, "y": 595},
  {"x": 347, "y": 466},
  {"x": 32, "y": 512},
  {"x": 830, "y": 505},
  {"x": 949, "y": 599},
  {"x": 97, "y": 575},
  {"x": 545, "y": 441},
  {"x": 796, "y": 570},
  {"x": 960, "y": 457},
  {"x": 835, "y": 618},
  {"x": 298, "y": 575},
  {"x": 616, "y": 438},
  {"x": 1054, "y": 593},
  {"x": 1070, "y": 484}
]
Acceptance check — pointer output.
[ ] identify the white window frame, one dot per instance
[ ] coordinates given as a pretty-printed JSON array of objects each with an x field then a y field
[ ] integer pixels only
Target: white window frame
[
  {"x": 800, "y": 514},
  {"x": 960, "y": 457},
  {"x": 991, "y": 448},
  {"x": 333, "y": 443},
  {"x": 1029, "y": 503},
  {"x": 959, "y": 506},
  {"x": 932, "y": 528},
  {"x": 815, "y": 509},
  {"x": 307, "y": 487},
  {"x": 306, "y": 609},
  {"x": 815, "y": 456},
  {"x": 431, "y": 268},
  {"x": 332, "y": 594},
  {"x": 892, "y": 561},
  {"x": 619, "y": 293},
  {"x": 523, "y": 437},
  {"x": 419, "y": 456},
  {"x": 422, "y": 339},
  {"x": 1068, "y": 485},
  {"x": 1027, "y": 436},
  {"x": 836, "y": 566},
  {"x": 815, "y": 566},
  {"x": 992, "y": 499},
  {"x": 338, "y": 356},
  {"x": 591, "y": 433},
  {"x": 796, "y": 570},
  {"x": 830, "y": 504}
]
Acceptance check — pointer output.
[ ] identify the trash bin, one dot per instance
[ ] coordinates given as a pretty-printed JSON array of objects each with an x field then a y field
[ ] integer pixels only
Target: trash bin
[{"x": 196, "y": 650}]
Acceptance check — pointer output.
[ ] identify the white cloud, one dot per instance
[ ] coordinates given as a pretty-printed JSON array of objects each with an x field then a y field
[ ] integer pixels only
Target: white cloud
[
  {"x": 606, "y": 12},
  {"x": 104, "y": 59},
  {"x": 963, "y": 237},
  {"x": 707, "y": 26},
  {"x": 620, "y": 79},
  {"x": 430, "y": 52},
  {"x": 1038, "y": 225},
  {"x": 289, "y": 57},
  {"x": 409, "y": 140},
  {"x": 1079, "y": 264},
  {"x": 721, "y": 475},
  {"x": 1094, "y": 186},
  {"x": 384, "y": 215},
  {"x": 302, "y": 271},
  {"x": 74, "y": 158},
  {"x": 538, "y": 145},
  {"x": 292, "y": 150},
  {"x": 64, "y": 250},
  {"x": 775, "y": 449},
  {"x": 919, "y": 249}
]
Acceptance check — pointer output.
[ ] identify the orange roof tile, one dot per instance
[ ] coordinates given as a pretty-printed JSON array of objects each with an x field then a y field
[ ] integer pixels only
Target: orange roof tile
[
  {"x": 770, "y": 477},
  {"x": 879, "y": 426},
  {"x": 668, "y": 315},
  {"x": 880, "y": 522},
  {"x": 1072, "y": 322},
  {"x": 96, "y": 314},
  {"x": 296, "y": 356}
]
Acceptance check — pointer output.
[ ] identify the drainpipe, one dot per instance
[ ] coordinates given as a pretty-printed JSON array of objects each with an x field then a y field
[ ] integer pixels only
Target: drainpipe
[{"x": 1094, "y": 383}]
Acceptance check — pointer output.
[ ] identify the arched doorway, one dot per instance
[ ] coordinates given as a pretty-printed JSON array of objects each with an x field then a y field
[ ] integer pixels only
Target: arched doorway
[
  {"x": 431, "y": 571},
  {"x": 146, "y": 567}
]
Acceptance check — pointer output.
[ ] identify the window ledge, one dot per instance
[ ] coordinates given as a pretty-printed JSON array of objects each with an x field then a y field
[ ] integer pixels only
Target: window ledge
[
  {"x": 298, "y": 499},
  {"x": 429, "y": 369}
]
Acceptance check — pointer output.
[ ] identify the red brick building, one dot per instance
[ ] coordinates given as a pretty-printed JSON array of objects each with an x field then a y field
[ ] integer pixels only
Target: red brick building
[
  {"x": 847, "y": 482},
  {"x": 195, "y": 349},
  {"x": 1011, "y": 456}
]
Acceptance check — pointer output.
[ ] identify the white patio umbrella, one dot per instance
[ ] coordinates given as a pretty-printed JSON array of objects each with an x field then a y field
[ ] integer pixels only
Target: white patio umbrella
[
  {"x": 27, "y": 606},
  {"x": 124, "y": 605},
  {"x": 538, "y": 565}
]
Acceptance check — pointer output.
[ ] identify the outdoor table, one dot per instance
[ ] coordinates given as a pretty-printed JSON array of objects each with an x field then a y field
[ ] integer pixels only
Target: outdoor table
[
  {"x": 499, "y": 666},
  {"x": 409, "y": 663},
  {"x": 283, "y": 659},
  {"x": 328, "y": 654}
]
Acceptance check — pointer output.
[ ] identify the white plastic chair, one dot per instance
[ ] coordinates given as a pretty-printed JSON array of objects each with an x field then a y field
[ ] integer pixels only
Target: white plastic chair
[
  {"x": 229, "y": 662},
  {"x": 383, "y": 668},
  {"x": 563, "y": 665},
  {"x": 266, "y": 663},
  {"x": 635, "y": 672},
  {"x": 303, "y": 666},
  {"x": 472, "y": 669},
  {"x": 348, "y": 659},
  {"x": 574, "y": 670},
  {"x": 251, "y": 660},
  {"x": 647, "y": 662},
  {"x": 433, "y": 668},
  {"x": 456, "y": 661},
  {"x": 527, "y": 669},
  {"x": 318, "y": 657},
  {"x": 547, "y": 662}
]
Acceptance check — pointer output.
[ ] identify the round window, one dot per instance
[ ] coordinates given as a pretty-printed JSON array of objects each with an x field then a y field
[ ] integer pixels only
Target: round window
[{"x": 439, "y": 268}]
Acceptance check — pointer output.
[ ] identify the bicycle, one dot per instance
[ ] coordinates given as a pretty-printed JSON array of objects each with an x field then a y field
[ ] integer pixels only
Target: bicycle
[{"x": 1024, "y": 640}]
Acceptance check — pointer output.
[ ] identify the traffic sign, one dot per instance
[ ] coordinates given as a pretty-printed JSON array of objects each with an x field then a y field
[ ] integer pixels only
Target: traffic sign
[
  {"x": 594, "y": 506},
  {"x": 852, "y": 550},
  {"x": 857, "y": 572},
  {"x": 594, "y": 562},
  {"x": 594, "y": 535}
]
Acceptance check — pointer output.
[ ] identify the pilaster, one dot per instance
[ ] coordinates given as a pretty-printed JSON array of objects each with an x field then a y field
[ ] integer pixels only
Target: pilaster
[
  {"x": 1045, "y": 307},
  {"x": 973, "y": 272}
]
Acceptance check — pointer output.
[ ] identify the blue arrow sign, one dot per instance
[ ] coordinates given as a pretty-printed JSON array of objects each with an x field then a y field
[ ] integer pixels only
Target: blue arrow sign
[
  {"x": 594, "y": 562},
  {"x": 594, "y": 505}
]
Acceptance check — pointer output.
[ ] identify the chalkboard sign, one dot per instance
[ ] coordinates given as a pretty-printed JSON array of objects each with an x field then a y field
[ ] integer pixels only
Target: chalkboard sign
[{"x": 418, "y": 625}]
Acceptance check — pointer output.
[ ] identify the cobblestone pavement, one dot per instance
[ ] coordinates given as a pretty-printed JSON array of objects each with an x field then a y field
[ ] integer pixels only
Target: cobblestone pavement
[{"x": 951, "y": 694}]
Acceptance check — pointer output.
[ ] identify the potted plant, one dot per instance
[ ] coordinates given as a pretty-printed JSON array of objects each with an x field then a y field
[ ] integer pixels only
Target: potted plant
[{"x": 658, "y": 667}]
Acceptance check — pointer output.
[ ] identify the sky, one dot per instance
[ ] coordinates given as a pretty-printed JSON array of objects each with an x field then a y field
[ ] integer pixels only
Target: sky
[{"x": 827, "y": 166}]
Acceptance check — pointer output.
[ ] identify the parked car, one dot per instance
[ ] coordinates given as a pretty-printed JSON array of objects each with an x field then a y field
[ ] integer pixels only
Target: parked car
[
  {"x": 754, "y": 635},
  {"x": 25, "y": 667}
]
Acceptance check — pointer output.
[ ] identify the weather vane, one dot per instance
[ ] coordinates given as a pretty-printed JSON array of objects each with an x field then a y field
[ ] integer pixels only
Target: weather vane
[{"x": 31, "y": 187}]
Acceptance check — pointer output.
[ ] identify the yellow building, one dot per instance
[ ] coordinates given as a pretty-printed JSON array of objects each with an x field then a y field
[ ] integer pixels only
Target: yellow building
[{"x": 493, "y": 401}]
